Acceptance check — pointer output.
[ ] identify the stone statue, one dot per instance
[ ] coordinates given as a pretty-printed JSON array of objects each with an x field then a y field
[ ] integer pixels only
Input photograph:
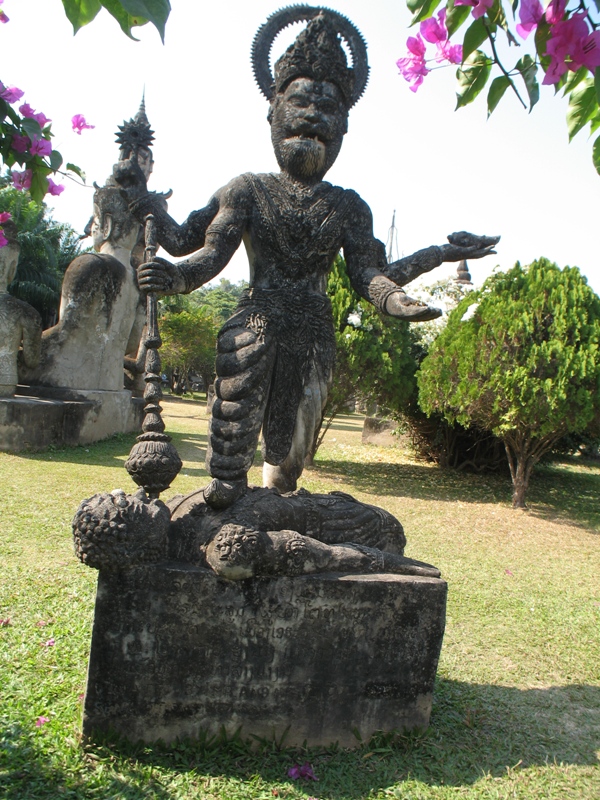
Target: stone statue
[
  {"x": 102, "y": 314},
  {"x": 296, "y": 534},
  {"x": 275, "y": 355},
  {"x": 20, "y": 323}
]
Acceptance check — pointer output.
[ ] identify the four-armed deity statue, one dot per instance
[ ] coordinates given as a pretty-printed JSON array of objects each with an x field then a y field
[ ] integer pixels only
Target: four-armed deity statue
[{"x": 265, "y": 607}]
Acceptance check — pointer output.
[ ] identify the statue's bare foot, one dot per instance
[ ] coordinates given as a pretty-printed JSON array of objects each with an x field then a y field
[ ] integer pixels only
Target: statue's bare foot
[
  {"x": 222, "y": 494},
  {"x": 401, "y": 306}
]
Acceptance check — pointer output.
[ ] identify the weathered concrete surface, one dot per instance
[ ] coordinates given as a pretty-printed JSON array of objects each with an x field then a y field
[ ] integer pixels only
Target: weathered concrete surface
[
  {"x": 32, "y": 420},
  {"x": 176, "y": 650}
]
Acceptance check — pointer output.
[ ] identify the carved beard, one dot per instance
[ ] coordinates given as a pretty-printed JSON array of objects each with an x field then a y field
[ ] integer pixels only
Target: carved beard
[{"x": 302, "y": 158}]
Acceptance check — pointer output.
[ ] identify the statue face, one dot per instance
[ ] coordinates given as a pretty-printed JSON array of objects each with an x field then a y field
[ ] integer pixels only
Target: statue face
[{"x": 308, "y": 123}]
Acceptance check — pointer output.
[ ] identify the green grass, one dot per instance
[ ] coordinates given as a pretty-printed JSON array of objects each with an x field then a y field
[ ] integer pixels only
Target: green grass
[{"x": 517, "y": 705}]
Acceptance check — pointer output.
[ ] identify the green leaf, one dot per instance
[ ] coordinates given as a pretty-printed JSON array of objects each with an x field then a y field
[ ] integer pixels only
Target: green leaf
[
  {"x": 31, "y": 127},
  {"x": 497, "y": 16},
  {"x": 542, "y": 34},
  {"x": 571, "y": 79},
  {"x": 597, "y": 82},
  {"x": 594, "y": 123},
  {"x": 125, "y": 20},
  {"x": 77, "y": 170},
  {"x": 425, "y": 11},
  {"x": 55, "y": 160},
  {"x": 472, "y": 77},
  {"x": 455, "y": 16},
  {"x": 596, "y": 154},
  {"x": 496, "y": 92},
  {"x": 39, "y": 186},
  {"x": 80, "y": 12},
  {"x": 527, "y": 68},
  {"x": 476, "y": 34},
  {"x": 583, "y": 105},
  {"x": 156, "y": 11}
]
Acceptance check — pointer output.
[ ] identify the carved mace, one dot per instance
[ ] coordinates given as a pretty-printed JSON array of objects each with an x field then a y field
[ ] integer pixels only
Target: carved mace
[{"x": 153, "y": 462}]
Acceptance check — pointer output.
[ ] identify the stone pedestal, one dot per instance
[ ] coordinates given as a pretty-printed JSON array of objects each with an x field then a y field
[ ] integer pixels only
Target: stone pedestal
[
  {"x": 176, "y": 650},
  {"x": 40, "y": 416}
]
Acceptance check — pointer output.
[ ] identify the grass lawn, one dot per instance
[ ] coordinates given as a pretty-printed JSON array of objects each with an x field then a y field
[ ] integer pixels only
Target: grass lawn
[{"x": 517, "y": 704}]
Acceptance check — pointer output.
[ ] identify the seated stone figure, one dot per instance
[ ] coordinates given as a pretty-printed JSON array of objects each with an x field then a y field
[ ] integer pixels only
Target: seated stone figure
[
  {"x": 262, "y": 534},
  {"x": 101, "y": 313},
  {"x": 20, "y": 323}
]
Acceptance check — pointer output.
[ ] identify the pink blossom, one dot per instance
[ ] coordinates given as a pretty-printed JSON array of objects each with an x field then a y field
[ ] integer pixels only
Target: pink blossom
[
  {"x": 508, "y": 572},
  {"x": 10, "y": 94},
  {"x": 556, "y": 11},
  {"x": 571, "y": 46},
  {"x": 55, "y": 188},
  {"x": 412, "y": 68},
  {"x": 21, "y": 180},
  {"x": 450, "y": 52},
  {"x": 530, "y": 13},
  {"x": 3, "y": 17},
  {"x": 20, "y": 144},
  {"x": 26, "y": 110},
  {"x": 434, "y": 30},
  {"x": 4, "y": 217},
  {"x": 79, "y": 123},
  {"x": 49, "y": 643},
  {"x": 3, "y": 243},
  {"x": 305, "y": 771},
  {"x": 40, "y": 118},
  {"x": 479, "y": 6},
  {"x": 41, "y": 721},
  {"x": 41, "y": 147}
]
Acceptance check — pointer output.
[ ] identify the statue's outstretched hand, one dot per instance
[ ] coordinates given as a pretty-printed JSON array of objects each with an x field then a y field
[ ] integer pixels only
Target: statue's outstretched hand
[
  {"x": 468, "y": 245},
  {"x": 161, "y": 276},
  {"x": 400, "y": 305},
  {"x": 130, "y": 178}
]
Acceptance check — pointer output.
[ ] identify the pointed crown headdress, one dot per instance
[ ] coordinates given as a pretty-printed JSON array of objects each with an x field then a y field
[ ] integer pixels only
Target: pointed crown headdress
[
  {"x": 135, "y": 133},
  {"x": 317, "y": 52}
]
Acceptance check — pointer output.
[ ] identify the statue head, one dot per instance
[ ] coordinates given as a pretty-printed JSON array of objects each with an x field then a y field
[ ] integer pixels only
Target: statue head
[
  {"x": 9, "y": 254},
  {"x": 117, "y": 530},
  {"x": 312, "y": 89},
  {"x": 234, "y": 552},
  {"x": 112, "y": 221}
]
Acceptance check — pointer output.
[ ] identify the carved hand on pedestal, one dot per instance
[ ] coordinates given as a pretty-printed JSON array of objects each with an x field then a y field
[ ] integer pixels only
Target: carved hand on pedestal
[{"x": 465, "y": 245}]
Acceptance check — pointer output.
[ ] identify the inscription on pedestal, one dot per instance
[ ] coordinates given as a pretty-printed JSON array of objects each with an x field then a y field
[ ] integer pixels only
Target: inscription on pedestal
[{"x": 176, "y": 650}]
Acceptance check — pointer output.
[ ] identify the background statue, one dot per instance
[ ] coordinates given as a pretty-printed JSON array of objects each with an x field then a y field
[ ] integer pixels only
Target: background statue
[
  {"x": 275, "y": 355},
  {"x": 20, "y": 323}
]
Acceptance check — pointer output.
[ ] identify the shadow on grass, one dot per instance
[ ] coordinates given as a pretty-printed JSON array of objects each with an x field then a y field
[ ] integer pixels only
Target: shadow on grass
[
  {"x": 475, "y": 730},
  {"x": 556, "y": 493}
]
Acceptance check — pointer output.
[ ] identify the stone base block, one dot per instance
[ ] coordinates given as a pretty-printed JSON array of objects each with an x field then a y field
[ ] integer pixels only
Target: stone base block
[
  {"x": 37, "y": 417},
  {"x": 176, "y": 650}
]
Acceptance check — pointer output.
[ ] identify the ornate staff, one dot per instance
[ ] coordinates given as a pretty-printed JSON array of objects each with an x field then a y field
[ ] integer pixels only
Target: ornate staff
[{"x": 153, "y": 462}]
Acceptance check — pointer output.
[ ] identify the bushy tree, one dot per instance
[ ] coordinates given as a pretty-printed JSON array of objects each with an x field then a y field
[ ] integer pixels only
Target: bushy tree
[
  {"x": 47, "y": 249},
  {"x": 374, "y": 360},
  {"x": 519, "y": 358},
  {"x": 221, "y": 300},
  {"x": 189, "y": 339}
]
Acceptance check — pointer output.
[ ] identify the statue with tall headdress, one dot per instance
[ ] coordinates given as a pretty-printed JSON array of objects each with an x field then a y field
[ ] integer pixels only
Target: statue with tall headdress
[{"x": 275, "y": 355}]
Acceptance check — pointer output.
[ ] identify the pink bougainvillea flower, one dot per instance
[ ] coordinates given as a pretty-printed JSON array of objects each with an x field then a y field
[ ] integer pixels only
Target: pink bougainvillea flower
[
  {"x": 49, "y": 643},
  {"x": 3, "y": 17},
  {"x": 479, "y": 6},
  {"x": 434, "y": 30},
  {"x": 41, "y": 721},
  {"x": 570, "y": 47},
  {"x": 3, "y": 243},
  {"x": 20, "y": 144},
  {"x": 556, "y": 11},
  {"x": 41, "y": 147},
  {"x": 508, "y": 572},
  {"x": 79, "y": 123},
  {"x": 10, "y": 93},
  {"x": 4, "y": 217},
  {"x": 21, "y": 180},
  {"x": 41, "y": 119},
  {"x": 412, "y": 68},
  {"x": 4, "y": 623},
  {"x": 305, "y": 771},
  {"x": 55, "y": 188},
  {"x": 530, "y": 13},
  {"x": 450, "y": 52},
  {"x": 28, "y": 111}
]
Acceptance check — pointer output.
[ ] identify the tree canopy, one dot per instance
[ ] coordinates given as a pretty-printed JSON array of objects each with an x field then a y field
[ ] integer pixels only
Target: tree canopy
[{"x": 520, "y": 358}]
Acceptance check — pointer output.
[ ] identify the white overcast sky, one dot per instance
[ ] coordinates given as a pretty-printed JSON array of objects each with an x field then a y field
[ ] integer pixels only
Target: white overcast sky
[{"x": 441, "y": 170}]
